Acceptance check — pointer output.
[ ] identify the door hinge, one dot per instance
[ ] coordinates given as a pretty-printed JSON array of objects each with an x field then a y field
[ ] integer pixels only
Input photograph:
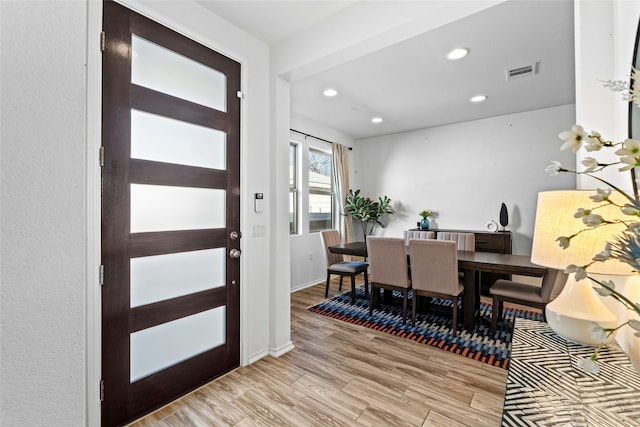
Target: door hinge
[
  {"x": 101, "y": 275},
  {"x": 240, "y": 94},
  {"x": 101, "y": 390},
  {"x": 103, "y": 41},
  {"x": 101, "y": 156}
]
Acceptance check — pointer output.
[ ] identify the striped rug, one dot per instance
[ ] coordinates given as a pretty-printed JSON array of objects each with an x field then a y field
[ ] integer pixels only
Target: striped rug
[{"x": 432, "y": 328}]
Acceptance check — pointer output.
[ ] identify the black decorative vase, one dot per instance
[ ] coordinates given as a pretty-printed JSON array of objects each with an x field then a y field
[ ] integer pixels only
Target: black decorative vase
[{"x": 504, "y": 216}]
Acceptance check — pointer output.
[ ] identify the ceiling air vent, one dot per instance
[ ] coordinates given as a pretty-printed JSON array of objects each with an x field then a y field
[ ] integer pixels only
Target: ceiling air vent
[{"x": 524, "y": 71}]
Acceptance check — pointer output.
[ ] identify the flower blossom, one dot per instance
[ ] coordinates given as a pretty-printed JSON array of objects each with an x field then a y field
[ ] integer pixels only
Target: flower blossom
[
  {"x": 590, "y": 164},
  {"x": 554, "y": 168},
  {"x": 605, "y": 254},
  {"x": 573, "y": 139},
  {"x": 635, "y": 324},
  {"x": 588, "y": 218},
  {"x": 592, "y": 220},
  {"x": 601, "y": 195},
  {"x": 563, "y": 242},
  {"x": 629, "y": 154},
  {"x": 630, "y": 162},
  {"x": 589, "y": 365},
  {"x": 628, "y": 209},
  {"x": 598, "y": 333},
  {"x": 594, "y": 142},
  {"x": 580, "y": 272}
]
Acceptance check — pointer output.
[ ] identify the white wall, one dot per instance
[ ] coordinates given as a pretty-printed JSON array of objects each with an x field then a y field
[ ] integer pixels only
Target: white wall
[
  {"x": 308, "y": 264},
  {"x": 43, "y": 297},
  {"x": 44, "y": 309},
  {"x": 465, "y": 171},
  {"x": 605, "y": 39}
]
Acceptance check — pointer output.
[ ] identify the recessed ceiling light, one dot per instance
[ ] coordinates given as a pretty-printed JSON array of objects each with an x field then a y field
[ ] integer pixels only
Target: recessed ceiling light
[
  {"x": 458, "y": 53},
  {"x": 376, "y": 120},
  {"x": 478, "y": 98},
  {"x": 330, "y": 92}
]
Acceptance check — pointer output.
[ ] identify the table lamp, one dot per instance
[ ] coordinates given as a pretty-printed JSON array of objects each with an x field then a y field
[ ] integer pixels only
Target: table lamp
[{"x": 572, "y": 313}]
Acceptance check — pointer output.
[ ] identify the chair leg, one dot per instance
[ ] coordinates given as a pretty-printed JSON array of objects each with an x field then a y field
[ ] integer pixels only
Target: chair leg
[
  {"x": 353, "y": 289},
  {"x": 404, "y": 306},
  {"x": 544, "y": 312},
  {"x": 340, "y": 288},
  {"x": 413, "y": 309},
  {"x": 371, "y": 299},
  {"x": 495, "y": 313},
  {"x": 455, "y": 316},
  {"x": 326, "y": 288},
  {"x": 366, "y": 283}
]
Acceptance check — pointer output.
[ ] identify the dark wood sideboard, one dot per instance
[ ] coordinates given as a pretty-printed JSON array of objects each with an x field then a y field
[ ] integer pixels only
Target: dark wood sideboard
[{"x": 487, "y": 241}]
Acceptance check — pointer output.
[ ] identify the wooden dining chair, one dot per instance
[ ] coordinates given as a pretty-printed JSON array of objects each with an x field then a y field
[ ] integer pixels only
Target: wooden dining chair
[
  {"x": 338, "y": 266},
  {"x": 389, "y": 270},
  {"x": 526, "y": 294},
  {"x": 434, "y": 273}
]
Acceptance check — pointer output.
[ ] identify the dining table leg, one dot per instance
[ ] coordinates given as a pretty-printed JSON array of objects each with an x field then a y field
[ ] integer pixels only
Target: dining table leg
[{"x": 470, "y": 299}]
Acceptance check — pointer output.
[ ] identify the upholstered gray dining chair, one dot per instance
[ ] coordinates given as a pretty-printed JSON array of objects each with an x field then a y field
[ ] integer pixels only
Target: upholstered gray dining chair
[
  {"x": 338, "y": 266},
  {"x": 389, "y": 269},
  {"x": 464, "y": 241},
  {"x": 434, "y": 273},
  {"x": 417, "y": 234},
  {"x": 526, "y": 294}
]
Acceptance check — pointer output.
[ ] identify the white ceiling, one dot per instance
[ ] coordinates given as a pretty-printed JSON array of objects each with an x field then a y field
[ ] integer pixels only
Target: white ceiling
[{"x": 410, "y": 84}]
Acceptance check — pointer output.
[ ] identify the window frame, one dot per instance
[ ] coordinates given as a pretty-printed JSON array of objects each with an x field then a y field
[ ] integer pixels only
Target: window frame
[
  {"x": 315, "y": 191},
  {"x": 294, "y": 190}
]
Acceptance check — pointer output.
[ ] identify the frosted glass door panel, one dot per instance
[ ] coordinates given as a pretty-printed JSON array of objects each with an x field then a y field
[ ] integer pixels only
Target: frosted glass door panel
[
  {"x": 167, "y": 140},
  {"x": 161, "y": 277},
  {"x": 166, "y": 208},
  {"x": 162, "y": 346},
  {"x": 163, "y": 70}
]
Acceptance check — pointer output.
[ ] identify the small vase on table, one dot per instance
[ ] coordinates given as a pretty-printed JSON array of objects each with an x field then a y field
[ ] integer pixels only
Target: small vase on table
[{"x": 424, "y": 224}]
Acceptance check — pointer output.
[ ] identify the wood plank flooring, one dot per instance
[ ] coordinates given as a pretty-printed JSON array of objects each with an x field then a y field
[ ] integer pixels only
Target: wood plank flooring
[{"x": 344, "y": 375}]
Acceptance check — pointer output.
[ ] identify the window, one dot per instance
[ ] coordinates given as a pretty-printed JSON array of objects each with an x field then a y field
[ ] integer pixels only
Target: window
[
  {"x": 320, "y": 191},
  {"x": 293, "y": 189}
]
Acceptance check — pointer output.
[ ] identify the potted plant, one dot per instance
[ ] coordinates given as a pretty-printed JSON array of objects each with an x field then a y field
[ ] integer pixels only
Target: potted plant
[
  {"x": 367, "y": 211},
  {"x": 425, "y": 214}
]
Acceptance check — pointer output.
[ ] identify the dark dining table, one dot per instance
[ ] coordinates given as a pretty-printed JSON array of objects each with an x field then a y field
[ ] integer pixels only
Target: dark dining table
[{"x": 471, "y": 263}]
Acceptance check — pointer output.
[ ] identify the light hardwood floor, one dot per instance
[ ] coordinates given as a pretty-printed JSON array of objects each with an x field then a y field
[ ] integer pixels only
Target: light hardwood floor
[{"x": 341, "y": 374}]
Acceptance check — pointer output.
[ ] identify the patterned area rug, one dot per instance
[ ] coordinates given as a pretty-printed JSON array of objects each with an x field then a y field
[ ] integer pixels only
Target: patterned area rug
[{"x": 432, "y": 328}]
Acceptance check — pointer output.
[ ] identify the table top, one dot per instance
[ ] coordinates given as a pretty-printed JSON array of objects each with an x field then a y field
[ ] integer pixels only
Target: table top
[
  {"x": 546, "y": 387},
  {"x": 479, "y": 261}
]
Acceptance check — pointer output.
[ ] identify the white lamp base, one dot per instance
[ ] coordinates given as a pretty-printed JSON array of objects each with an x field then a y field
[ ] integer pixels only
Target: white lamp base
[{"x": 574, "y": 312}]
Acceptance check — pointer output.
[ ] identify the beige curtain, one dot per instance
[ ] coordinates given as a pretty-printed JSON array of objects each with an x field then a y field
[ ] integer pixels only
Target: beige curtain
[{"x": 341, "y": 184}]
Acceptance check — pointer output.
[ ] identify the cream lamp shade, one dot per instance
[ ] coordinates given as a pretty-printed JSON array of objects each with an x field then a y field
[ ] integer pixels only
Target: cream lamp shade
[
  {"x": 573, "y": 313},
  {"x": 555, "y": 218}
]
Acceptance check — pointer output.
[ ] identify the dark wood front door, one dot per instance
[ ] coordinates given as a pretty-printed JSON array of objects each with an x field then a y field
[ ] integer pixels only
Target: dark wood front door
[{"x": 170, "y": 215}]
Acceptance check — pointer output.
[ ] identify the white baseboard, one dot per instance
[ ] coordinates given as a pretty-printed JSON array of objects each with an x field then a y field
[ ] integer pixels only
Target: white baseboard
[
  {"x": 279, "y": 351},
  {"x": 307, "y": 285},
  {"x": 256, "y": 357}
]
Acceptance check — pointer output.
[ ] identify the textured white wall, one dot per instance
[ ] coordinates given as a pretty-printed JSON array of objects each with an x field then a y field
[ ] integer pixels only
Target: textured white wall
[
  {"x": 465, "y": 171},
  {"x": 42, "y": 300}
]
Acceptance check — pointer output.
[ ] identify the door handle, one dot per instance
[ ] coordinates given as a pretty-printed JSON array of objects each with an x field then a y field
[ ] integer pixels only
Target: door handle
[
  {"x": 234, "y": 235},
  {"x": 235, "y": 253}
]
